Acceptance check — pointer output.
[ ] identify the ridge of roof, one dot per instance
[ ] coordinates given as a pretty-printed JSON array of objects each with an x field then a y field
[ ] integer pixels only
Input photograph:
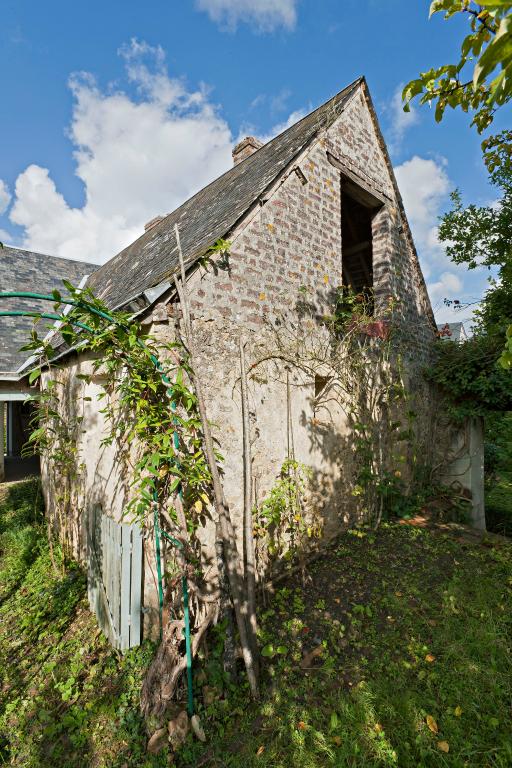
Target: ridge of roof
[
  {"x": 211, "y": 212},
  {"x": 7, "y": 249}
]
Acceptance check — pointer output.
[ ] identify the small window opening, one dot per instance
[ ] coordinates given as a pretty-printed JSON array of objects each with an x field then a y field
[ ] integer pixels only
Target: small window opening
[
  {"x": 356, "y": 245},
  {"x": 320, "y": 384}
]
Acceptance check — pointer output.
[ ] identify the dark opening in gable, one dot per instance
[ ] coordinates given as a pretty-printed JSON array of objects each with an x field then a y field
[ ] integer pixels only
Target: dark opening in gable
[{"x": 356, "y": 244}]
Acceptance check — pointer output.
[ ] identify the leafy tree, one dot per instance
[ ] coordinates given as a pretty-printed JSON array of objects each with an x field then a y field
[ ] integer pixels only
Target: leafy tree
[
  {"x": 481, "y": 237},
  {"x": 469, "y": 378},
  {"x": 479, "y": 83}
]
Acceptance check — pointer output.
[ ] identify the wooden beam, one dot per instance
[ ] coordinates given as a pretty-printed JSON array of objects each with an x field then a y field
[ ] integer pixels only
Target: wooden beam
[
  {"x": 357, "y": 248},
  {"x": 356, "y": 187}
]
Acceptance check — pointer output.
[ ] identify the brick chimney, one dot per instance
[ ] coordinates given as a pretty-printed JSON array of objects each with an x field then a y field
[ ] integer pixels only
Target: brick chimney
[
  {"x": 153, "y": 222},
  {"x": 245, "y": 148}
]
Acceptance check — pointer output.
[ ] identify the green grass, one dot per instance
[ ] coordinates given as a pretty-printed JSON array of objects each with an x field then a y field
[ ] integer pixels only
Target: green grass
[
  {"x": 66, "y": 698},
  {"x": 498, "y": 505},
  {"x": 411, "y": 624}
]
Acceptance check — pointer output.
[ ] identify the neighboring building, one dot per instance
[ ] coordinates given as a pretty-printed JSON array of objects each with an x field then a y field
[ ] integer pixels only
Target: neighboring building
[
  {"x": 452, "y": 332},
  {"x": 22, "y": 270},
  {"x": 316, "y": 207}
]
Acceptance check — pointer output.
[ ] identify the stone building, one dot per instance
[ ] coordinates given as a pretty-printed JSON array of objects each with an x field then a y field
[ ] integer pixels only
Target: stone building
[{"x": 315, "y": 208}]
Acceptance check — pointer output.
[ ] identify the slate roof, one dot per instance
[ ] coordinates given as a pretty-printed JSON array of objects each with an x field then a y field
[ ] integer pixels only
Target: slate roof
[
  {"x": 22, "y": 270},
  {"x": 211, "y": 213}
]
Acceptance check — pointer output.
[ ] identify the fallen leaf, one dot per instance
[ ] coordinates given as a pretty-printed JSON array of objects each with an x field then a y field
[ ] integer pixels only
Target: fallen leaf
[
  {"x": 157, "y": 742},
  {"x": 309, "y": 657},
  {"x": 178, "y": 729},
  {"x": 432, "y": 724},
  {"x": 301, "y": 725},
  {"x": 260, "y": 751},
  {"x": 443, "y": 746},
  {"x": 398, "y": 594},
  {"x": 457, "y": 711},
  {"x": 197, "y": 728},
  {"x": 430, "y": 658},
  {"x": 337, "y": 740}
]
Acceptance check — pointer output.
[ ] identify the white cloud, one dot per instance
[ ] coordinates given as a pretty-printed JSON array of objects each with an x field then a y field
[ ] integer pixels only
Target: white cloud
[
  {"x": 280, "y": 100},
  {"x": 136, "y": 156},
  {"x": 267, "y": 15},
  {"x": 248, "y": 129},
  {"x": 400, "y": 121},
  {"x": 424, "y": 185},
  {"x": 292, "y": 118},
  {"x": 448, "y": 286},
  {"x": 5, "y": 197}
]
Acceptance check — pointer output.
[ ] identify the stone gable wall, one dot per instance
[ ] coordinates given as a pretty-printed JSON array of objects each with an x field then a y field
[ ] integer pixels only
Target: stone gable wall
[
  {"x": 290, "y": 251},
  {"x": 287, "y": 253}
]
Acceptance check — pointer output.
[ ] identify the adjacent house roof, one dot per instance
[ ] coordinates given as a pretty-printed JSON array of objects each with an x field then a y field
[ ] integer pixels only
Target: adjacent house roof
[
  {"x": 211, "y": 213},
  {"x": 27, "y": 271},
  {"x": 452, "y": 332}
]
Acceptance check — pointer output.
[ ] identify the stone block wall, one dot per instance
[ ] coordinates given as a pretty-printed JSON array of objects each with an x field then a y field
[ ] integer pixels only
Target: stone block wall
[
  {"x": 284, "y": 266},
  {"x": 289, "y": 253}
]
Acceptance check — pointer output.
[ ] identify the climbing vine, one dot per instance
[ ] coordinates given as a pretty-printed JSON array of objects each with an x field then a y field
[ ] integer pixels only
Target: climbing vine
[
  {"x": 285, "y": 521},
  {"x": 356, "y": 355},
  {"x": 156, "y": 418},
  {"x": 58, "y": 437},
  {"x": 161, "y": 434}
]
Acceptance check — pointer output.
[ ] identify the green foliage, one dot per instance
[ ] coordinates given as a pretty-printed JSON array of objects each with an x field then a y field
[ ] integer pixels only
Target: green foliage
[
  {"x": 498, "y": 506},
  {"x": 147, "y": 402},
  {"x": 405, "y": 626},
  {"x": 506, "y": 355},
  {"x": 498, "y": 473},
  {"x": 285, "y": 521},
  {"x": 480, "y": 82},
  {"x": 481, "y": 236},
  {"x": 67, "y": 698},
  {"x": 470, "y": 379}
]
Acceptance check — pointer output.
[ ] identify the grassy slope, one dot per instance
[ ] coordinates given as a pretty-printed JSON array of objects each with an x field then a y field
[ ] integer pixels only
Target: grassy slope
[
  {"x": 66, "y": 699},
  {"x": 411, "y": 625}
]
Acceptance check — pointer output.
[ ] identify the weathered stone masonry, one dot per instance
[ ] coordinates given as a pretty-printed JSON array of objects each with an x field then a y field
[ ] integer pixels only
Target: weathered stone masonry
[
  {"x": 293, "y": 241},
  {"x": 280, "y": 208}
]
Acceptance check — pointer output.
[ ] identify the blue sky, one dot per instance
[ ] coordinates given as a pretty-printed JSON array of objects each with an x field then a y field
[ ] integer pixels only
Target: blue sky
[{"x": 116, "y": 112}]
